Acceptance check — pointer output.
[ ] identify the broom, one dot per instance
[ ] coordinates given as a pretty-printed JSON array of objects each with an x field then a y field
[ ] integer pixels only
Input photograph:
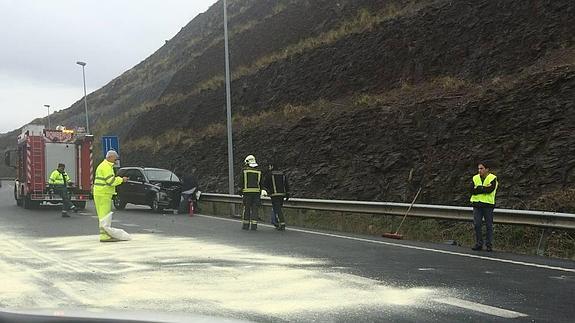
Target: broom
[{"x": 396, "y": 235}]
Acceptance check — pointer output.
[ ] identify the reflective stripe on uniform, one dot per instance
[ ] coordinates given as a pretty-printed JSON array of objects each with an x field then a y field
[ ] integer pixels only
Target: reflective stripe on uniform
[
  {"x": 105, "y": 179},
  {"x": 274, "y": 184},
  {"x": 247, "y": 189}
]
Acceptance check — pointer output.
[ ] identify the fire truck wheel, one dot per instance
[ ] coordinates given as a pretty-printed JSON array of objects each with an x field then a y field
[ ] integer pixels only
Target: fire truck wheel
[
  {"x": 27, "y": 202},
  {"x": 18, "y": 201}
]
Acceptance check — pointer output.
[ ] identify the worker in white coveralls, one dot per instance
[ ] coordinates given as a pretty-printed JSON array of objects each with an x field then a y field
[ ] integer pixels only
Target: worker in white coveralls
[{"x": 105, "y": 183}]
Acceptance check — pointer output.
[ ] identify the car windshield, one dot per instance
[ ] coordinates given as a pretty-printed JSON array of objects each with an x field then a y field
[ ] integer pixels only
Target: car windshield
[{"x": 161, "y": 175}]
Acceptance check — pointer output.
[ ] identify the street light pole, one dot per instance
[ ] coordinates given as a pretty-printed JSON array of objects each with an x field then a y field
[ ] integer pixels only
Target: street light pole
[
  {"x": 228, "y": 105},
  {"x": 49, "y": 124},
  {"x": 83, "y": 64}
]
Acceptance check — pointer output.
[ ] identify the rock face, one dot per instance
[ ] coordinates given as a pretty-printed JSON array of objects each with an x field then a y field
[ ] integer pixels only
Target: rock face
[
  {"x": 470, "y": 40},
  {"x": 525, "y": 131},
  {"x": 515, "y": 108},
  {"x": 362, "y": 99}
]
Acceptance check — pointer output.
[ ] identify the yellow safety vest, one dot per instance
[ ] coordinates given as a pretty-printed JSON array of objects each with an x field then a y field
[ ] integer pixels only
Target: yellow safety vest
[
  {"x": 487, "y": 198},
  {"x": 105, "y": 181},
  {"x": 57, "y": 178}
]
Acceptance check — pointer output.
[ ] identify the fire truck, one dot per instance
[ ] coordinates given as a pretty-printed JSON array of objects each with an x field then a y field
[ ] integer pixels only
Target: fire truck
[{"x": 39, "y": 152}]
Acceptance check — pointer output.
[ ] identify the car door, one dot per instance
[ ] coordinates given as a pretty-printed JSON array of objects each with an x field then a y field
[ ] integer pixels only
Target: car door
[
  {"x": 137, "y": 186},
  {"x": 123, "y": 190}
]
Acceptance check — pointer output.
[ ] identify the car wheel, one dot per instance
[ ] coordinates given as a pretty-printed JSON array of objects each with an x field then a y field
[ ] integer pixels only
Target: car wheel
[
  {"x": 119, "y": 204},
  {"x": 155, "y": 205}
]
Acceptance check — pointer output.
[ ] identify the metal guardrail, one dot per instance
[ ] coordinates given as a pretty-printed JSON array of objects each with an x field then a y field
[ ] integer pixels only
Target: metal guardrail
[{"x": 542, "y": 219}]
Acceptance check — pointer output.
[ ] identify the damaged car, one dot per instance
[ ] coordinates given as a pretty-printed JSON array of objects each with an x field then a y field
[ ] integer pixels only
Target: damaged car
[{"x": 158, "y": 188}]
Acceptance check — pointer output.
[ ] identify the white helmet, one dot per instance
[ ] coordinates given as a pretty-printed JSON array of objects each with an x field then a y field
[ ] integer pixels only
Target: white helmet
[{"x": 251, "y": 161}]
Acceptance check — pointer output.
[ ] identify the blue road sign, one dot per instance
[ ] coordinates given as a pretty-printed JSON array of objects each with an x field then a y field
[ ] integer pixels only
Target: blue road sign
[{"x": 111, "y": 143}]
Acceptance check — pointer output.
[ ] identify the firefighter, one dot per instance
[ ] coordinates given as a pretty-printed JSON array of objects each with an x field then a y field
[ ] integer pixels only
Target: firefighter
[
  {"x": 482, "y": 198},
  {"x": 189, "y": 189},
  {"x": 105, "y": 183},
  {"x": 250, "y": 190},
  {"x": 277, "y": 186},
  {"x": 58, "y": 182}
]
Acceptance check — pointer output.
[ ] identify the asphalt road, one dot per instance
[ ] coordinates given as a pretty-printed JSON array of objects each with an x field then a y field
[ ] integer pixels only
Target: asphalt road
[{"x": 208, "y": 266}]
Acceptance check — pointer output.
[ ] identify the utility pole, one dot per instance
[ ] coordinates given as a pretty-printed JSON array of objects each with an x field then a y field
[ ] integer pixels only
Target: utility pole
[
  {"x": 228, "y": 106},
  {"x": 49, "y": 124},
  {"x": 83, "y": 64}
]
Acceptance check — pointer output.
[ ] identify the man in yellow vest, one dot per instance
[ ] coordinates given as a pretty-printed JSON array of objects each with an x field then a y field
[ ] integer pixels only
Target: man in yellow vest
[
  {"x": 59, "y": 181},
  {"x": 250, "y": 190},
  {"x": 483, "y": 200},
  {"x": 105, "y": 182}
]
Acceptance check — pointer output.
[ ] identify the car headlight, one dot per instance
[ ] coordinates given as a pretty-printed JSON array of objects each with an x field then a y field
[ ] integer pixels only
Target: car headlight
[{"x": 162, "y": 195}]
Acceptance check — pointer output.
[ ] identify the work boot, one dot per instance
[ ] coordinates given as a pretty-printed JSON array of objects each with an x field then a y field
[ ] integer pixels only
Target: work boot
[
  {"x": 110, "y": 240},
  {"x": 282, "y": 227},
  {"x": 245, "y": 226},
  {"x": 65, "y": 214},
  {"x": 477, "y": 248},
  {"x": 489, "y": 249},
  {"x": 254, "y": 227},
  {"x": 74, "y": 209}
]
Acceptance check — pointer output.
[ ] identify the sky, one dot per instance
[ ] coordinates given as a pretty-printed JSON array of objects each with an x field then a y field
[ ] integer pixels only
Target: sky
[{"x": 41, "y": 41}]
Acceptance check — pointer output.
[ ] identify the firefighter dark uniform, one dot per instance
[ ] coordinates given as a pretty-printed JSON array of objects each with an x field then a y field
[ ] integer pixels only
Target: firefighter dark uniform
[
  {"x": 250, "y": 189},
  {"x": 276, "y": 184}
]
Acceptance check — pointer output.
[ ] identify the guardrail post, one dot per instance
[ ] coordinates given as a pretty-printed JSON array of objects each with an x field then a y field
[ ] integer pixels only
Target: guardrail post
[{"x": 542, "y": 245}]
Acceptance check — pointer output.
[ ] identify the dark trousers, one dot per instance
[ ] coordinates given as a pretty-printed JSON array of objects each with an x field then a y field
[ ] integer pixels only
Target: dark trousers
[
  {"x": 251, "y": 205},
  {"x": 278, "y": 215},
  {"x": 63, "y": 192},
  {"x": 480, "y": 213}
]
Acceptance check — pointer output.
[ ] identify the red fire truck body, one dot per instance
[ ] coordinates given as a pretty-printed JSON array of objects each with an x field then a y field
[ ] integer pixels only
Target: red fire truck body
[{"x": 39, "y": 152}]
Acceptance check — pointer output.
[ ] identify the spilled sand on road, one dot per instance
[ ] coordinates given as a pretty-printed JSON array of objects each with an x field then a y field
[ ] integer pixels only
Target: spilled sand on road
[{"x": 154, "y": 272}]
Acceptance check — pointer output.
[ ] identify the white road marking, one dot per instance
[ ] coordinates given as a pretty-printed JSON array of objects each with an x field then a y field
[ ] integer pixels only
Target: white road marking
[
  {"x": 153, "y": 231},
  {"x": 425, "y": 269},
  {"x": 129, "y": 225},
  {"x": 473, "y": 306},
  {"x": 410, "y": 247},
  {"x": 562, "y": 277}
]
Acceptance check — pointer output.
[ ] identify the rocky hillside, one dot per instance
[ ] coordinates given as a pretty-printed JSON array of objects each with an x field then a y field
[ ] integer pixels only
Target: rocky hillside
[{"x": 363, "y": 99}]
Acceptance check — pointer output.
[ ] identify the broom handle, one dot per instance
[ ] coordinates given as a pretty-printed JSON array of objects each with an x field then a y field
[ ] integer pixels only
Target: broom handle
[{"x": 409, "y": 209}]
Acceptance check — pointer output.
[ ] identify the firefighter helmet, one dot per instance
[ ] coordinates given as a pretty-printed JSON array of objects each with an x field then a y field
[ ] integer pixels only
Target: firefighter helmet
[{"x": 250, "y": 161}]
